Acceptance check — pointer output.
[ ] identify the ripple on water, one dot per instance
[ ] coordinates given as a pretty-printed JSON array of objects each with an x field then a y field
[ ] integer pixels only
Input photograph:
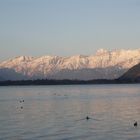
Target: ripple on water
[{"x": 59, "y": 112}]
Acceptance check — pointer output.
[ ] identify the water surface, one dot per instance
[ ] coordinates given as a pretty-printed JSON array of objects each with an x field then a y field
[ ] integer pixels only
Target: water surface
[{"x": 59, "y": 112}]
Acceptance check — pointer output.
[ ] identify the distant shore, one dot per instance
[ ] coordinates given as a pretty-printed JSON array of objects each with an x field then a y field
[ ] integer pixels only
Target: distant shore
[{"x": 66, "y": 82}]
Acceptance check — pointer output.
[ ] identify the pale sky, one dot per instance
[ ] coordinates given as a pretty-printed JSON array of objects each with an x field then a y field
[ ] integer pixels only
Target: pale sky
[{"x": 67, "y": 27}]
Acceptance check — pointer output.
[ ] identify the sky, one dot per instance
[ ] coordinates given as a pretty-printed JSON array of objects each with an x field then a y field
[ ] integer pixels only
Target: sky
[{"x": 67, "y": 27}]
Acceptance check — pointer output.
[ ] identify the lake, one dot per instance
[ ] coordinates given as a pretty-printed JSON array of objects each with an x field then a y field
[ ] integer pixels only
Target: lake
[{"x": 59, "y": 112}]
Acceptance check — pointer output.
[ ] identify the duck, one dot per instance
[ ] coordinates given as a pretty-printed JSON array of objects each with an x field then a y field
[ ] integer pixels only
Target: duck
[
  {"x": 87, "y": 118},
  {"x": 21, "y": 101},
  {"x": 135, "y": 124}
]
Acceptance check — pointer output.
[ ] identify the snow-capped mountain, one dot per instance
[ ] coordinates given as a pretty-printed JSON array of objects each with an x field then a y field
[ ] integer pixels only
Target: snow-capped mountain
[{"x": 102, "y": 65}]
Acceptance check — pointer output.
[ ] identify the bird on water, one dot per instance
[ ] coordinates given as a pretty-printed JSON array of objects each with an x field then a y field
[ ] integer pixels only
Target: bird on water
[
  {"x": 135, "y": 124},
  {"x": 87, "y": 118}
]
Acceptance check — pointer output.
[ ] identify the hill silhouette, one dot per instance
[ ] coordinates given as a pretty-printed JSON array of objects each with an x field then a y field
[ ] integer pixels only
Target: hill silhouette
[{"x": 132, "y": 74}]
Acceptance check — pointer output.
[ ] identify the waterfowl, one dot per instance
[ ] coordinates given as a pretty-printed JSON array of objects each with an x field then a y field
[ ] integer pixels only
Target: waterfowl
[
  {"x": 21, "y": 101},
  {"x": 87, "y": 118},
  {"x": 135, "y": 124}
]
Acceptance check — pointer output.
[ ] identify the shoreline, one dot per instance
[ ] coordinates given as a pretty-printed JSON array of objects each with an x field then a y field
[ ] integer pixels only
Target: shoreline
[{"x": 66, "y": 82}]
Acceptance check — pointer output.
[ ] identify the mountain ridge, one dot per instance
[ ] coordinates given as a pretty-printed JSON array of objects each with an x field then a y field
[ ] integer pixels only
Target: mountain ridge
[
  {"x": 132, "y": 74},
  {"x": 112, "y": 64}
]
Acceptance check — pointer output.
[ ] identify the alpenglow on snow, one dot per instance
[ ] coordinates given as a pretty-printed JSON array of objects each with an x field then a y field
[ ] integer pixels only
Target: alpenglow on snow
[{"x": 102, "y": 65}]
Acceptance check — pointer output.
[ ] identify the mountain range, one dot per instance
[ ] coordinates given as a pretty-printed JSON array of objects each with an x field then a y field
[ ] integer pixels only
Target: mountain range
[{"x": 103, "y": 64}]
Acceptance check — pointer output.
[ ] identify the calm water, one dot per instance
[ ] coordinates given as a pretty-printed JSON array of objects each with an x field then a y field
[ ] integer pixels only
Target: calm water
[{"x": 59, "y": 112}]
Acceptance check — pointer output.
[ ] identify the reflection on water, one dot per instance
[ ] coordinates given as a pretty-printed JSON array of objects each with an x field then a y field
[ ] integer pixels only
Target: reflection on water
[{"x": 59, "y": 112}]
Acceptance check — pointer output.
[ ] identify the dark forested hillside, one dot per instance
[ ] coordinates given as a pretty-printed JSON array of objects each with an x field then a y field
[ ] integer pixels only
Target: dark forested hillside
[{"x": 132, "y": 74}]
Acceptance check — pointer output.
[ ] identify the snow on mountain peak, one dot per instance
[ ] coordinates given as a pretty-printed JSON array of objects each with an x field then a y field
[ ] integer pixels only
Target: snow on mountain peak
[
  {"x": 45, "y": 66},
  {"x": 101, "y": 51},
  {"x": 24, "y": 58}
]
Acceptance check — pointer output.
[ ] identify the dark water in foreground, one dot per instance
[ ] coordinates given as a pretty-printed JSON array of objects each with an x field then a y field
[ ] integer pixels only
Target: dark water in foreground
[{"x": 59, "y": 112}]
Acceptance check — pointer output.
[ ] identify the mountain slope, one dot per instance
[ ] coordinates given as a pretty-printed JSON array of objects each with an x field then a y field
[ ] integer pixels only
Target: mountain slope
[
  {"x": 102, "y": 65},
  {"x": 132, "y": 74},
  {"x": 10, "y": 74},
  {"x": 1, "y": 78},
  {"x": 88, "y": 74}
]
